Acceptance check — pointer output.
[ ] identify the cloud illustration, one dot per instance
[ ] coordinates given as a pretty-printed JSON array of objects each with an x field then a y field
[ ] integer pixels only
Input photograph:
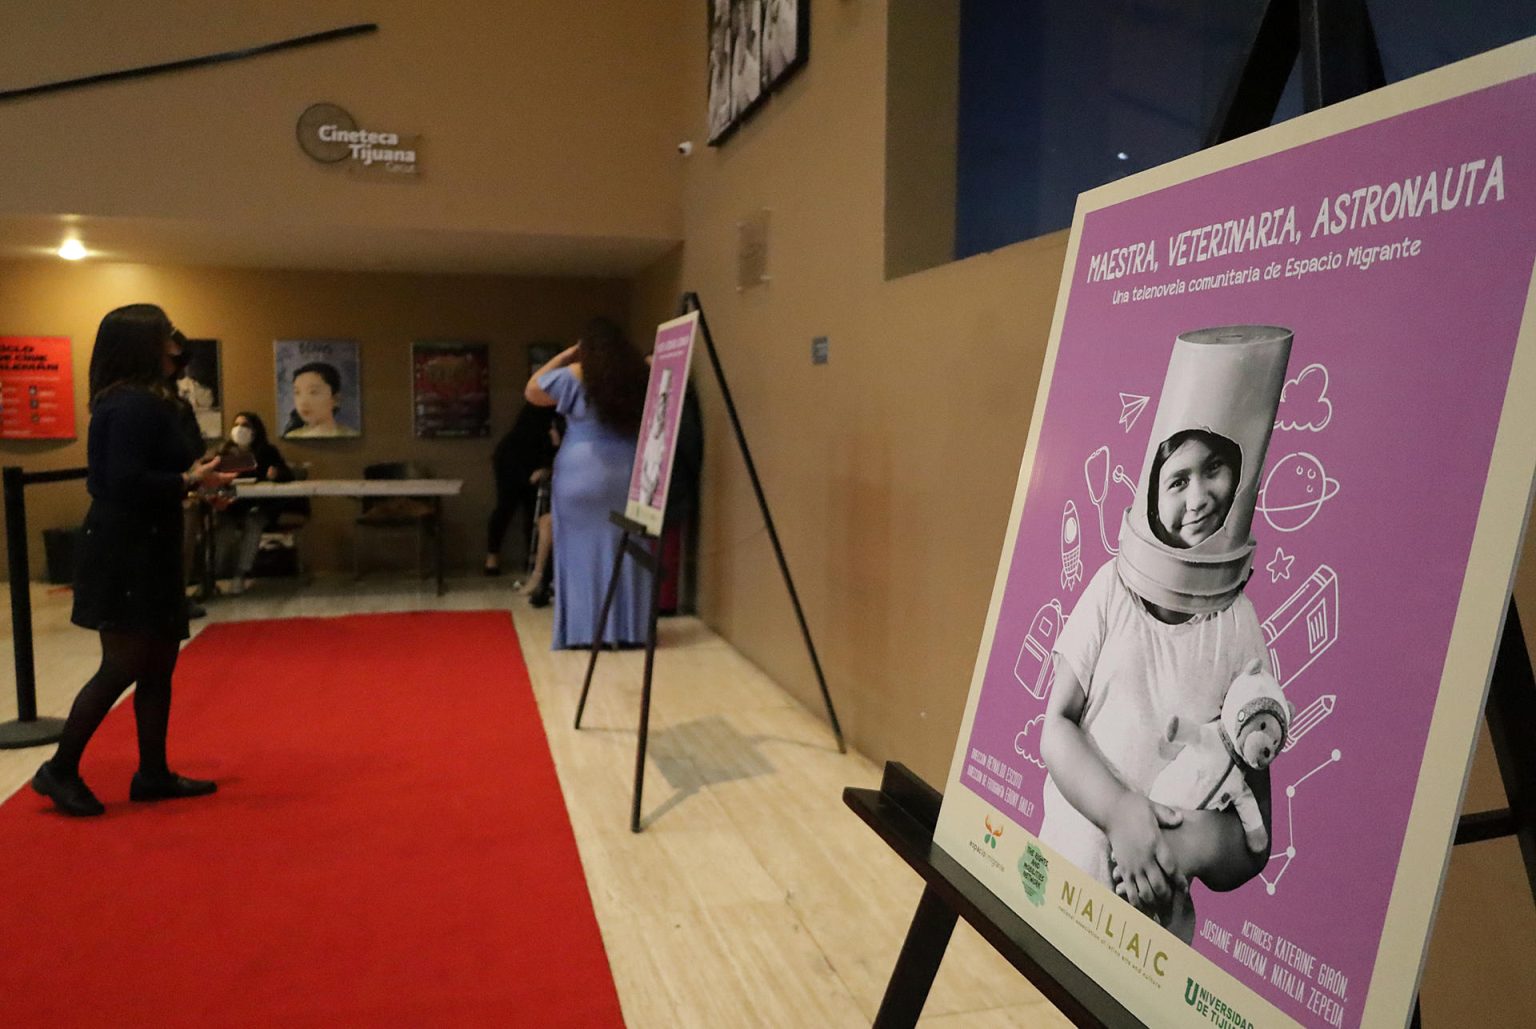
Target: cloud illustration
[
  {"x": 1304, "y": 402},
  {"x": 1027, "y": 742}
]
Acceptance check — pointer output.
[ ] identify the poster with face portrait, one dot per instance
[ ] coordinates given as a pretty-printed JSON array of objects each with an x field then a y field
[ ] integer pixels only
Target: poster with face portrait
[
  {"x": 1235, "y": 658},
  {"x": 319, "y": 388},
  {"x": 451, "y": 389},
  {"x": 754, "y": 46},
  {"x": 197, "y": 382},
  {"x": 652, "y": 471}
]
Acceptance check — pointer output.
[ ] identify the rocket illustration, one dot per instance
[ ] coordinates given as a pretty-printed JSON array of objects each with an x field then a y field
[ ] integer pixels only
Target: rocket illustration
[{"x": 1071, "y": 547}]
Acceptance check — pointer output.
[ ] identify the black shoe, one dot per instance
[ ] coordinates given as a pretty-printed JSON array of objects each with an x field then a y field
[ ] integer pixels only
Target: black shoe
[
  {"x": 69, "y": 793},
  {"x": 493, "y": 569},
  {"x": 539, "y": 597},
  {"x": 196, "y": 611},
  {"x": 169, "y": 786}
]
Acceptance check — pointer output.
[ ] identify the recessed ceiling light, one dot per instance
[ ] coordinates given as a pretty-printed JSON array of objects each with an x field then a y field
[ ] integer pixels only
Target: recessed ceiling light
[{"x": 72, "y": 250}]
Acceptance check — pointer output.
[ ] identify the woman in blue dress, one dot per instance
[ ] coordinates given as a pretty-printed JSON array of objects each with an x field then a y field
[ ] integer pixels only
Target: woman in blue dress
[{"x": 599, "y": 386}]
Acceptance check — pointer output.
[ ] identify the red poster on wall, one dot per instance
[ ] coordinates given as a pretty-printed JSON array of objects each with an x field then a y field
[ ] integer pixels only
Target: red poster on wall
[{"x": 37, "y": 388}]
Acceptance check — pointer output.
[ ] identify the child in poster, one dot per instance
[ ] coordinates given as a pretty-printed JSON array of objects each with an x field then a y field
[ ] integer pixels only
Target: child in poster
[
  {"x": 655, "y": 441},
  {"x": 1162, "y": 631}
]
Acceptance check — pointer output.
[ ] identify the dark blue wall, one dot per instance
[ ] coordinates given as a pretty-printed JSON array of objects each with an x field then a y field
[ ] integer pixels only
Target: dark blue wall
[{"x": 1059, "y": 96}]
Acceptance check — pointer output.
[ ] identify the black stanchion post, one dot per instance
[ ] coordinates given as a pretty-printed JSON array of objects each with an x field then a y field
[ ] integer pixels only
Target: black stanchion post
[
  {"x": 691, "y": 302},
  {"x": 27, "y": 730}
]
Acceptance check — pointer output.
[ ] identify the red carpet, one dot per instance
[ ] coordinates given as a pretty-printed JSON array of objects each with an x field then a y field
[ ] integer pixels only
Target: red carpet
[{"x": 388, "y": 847}]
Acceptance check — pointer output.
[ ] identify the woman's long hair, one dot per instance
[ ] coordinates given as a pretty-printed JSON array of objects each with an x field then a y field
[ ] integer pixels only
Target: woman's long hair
[
  {"x": 614, "y": 375},
  {"x": 130, "y": 351}
]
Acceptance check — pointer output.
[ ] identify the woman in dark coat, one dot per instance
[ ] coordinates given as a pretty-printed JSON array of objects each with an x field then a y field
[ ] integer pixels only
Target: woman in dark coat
[{"x": 130, "y": 582}]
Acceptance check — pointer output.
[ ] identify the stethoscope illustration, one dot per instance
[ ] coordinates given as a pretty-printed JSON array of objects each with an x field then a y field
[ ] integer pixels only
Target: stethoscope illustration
[{"x": 1097, "y": 471}]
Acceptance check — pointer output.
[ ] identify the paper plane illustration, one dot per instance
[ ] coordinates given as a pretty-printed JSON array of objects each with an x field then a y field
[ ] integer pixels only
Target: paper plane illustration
[{"x": 1131, "y": 406}]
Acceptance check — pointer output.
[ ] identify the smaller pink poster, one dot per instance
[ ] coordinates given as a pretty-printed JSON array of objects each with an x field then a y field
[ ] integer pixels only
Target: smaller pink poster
[
  {"x": 37, "y": 388},
  {"x": 652, "y": 473}
]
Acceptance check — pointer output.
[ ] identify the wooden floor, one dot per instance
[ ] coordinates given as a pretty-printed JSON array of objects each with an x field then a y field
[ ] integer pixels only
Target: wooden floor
[{"x": 752, "y": 898}]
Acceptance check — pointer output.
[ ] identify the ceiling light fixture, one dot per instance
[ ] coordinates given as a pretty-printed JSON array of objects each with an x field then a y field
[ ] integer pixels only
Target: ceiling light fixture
[{"x": 72, "y": 250}]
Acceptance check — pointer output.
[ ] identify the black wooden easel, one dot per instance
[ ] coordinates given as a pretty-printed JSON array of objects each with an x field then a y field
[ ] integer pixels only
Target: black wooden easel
[
  {"x": 640, "y": 546},
  {"x": 644, "y": 548},
  {"x": 1339, "y": 59}
]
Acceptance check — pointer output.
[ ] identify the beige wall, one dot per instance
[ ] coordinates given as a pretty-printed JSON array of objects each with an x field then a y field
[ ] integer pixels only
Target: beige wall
[
  {"x": 247, "y": 310},
  {"x": 890, "y": 469},
  {"x": 539, "y": 116}
]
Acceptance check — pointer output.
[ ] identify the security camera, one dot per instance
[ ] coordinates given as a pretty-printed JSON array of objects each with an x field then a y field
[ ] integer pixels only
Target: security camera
[{"x": 685, "y": 147}]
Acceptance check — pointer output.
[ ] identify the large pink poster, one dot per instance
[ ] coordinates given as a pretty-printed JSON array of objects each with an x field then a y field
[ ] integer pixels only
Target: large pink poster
[{"x": 1241, "y": 562}]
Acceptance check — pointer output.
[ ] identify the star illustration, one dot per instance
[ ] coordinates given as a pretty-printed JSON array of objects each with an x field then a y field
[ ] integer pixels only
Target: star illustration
[{"x": 1280, "y": 565}]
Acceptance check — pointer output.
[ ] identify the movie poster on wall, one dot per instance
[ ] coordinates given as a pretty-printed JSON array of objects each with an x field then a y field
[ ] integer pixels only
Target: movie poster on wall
[
  {"x": 1259, "y": 557},
  {"x": 319, "y": 388},
  {"x": 652, "y": 471},
  {"x": 451, "y": 389},
  {"x": 198, "y": 383},
  {"x": 37, "y": 388}
]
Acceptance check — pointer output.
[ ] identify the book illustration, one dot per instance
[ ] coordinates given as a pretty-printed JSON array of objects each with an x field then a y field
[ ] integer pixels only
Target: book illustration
[{"x": 1304, "y": 626}]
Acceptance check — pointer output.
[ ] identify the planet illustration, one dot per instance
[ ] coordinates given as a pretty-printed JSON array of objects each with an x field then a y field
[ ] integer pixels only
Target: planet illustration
[{"x": 1294, "y": 492}]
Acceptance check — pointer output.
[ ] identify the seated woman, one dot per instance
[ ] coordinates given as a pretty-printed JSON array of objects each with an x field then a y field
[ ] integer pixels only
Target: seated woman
[{"x": 245, "y": 520}]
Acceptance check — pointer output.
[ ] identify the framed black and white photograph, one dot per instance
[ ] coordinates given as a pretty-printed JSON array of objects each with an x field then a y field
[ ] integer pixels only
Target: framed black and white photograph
[
  {"x": 754, "y": 47},
  {"x": 198, "y": 383}
]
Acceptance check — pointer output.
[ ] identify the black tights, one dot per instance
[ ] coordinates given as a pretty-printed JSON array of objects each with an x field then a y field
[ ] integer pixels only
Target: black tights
[{"x": 126, "y": 658}]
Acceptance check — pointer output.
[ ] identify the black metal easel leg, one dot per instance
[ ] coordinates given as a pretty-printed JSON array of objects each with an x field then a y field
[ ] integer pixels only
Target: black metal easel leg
[
  {"x": 1511, "y": 713},
  {"x": 645, "y": 692},
  {"x": 1339, "y": 59},
  {"x": 27, "y": 730},
  {"x": 691, "y": 302},
  {"x": 602, "y": 625},
  {"x": 918, "y": 964}
]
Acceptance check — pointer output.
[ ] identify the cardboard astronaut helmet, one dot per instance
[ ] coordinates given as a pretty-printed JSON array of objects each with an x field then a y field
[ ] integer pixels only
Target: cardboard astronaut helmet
[{"x": 1218, "y": 406}]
